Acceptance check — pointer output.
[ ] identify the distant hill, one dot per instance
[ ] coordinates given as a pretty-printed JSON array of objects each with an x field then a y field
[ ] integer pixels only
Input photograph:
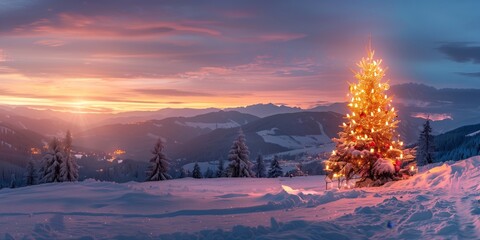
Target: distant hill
[
  {"x": 281, "y": 133},
  {"x": 461, "y": 143},
  {"x": 15, "y": 149},
  {"x": 265, "y": 110},
  {"x": 50, "y": 126},
  {"x": 137, "y": 139}
]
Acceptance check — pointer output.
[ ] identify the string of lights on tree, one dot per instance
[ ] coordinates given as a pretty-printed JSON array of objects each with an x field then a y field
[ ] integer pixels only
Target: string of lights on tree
[{"x": 368, "y": 146}]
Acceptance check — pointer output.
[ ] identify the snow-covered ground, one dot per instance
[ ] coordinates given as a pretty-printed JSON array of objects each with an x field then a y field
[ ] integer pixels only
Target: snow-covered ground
[{"x": 440, "y": 203}]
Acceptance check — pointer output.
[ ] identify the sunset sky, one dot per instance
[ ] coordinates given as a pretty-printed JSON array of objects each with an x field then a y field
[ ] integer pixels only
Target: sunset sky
[{"x": 113, "y": 56}]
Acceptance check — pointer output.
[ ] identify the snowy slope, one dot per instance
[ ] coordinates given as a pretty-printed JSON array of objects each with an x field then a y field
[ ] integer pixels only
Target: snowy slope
[
  {"x": 473, "y": 134},
  {"x": 440, "y": 203}
]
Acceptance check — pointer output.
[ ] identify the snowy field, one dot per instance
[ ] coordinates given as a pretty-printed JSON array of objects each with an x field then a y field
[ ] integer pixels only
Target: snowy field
[{"x": 440, "y": 203}]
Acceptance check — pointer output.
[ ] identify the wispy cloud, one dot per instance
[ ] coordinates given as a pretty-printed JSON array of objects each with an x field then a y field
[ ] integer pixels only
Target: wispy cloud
[
  {"x": 461, "y": 52},
  {"x": 469, "y": 74},
  {"x": 50, "y": 42},
  {"x": 171, "y": 92}
]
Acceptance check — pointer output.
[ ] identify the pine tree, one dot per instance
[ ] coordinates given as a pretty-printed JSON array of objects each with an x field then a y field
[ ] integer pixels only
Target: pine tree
[
  {"x": 260, "y": 169},
  {"x": 221, "y": 169},
  {"x": 197, "y": 172},
  {"x": 13, "y": 181},
  {"x": 209, "y": 173},
  {"x": 159, "y": 164},
  {"x": 369, "y": 134},
  {"x": 69, "y": 167},
  {"x": 275, "y": 168},
  {"x": 52, "y": 160},
  {"x": 30, "y": 174},
  {"x": 183, "y": 173},
  {"x": 240, "y": 165},
  {"x": 426, "y": 147}
]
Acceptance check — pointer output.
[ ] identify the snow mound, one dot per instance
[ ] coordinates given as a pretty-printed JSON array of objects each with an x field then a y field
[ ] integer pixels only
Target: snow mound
[{"x": 443, "y": 176}]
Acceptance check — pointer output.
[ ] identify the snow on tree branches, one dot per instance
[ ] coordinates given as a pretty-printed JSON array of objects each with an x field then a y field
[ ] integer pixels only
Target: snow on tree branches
[
  {"x": 50, "y": 170},
  {"x": 159, "y": 164},
  {"x": 240, "y": 165}
]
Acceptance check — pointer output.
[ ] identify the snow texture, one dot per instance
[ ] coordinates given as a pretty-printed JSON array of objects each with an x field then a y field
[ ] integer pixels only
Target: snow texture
[{"x": 442, "y": 202}]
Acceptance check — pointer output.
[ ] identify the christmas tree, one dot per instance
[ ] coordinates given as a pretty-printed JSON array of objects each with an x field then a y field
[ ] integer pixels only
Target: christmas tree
[{"x": 368, "y": 146}]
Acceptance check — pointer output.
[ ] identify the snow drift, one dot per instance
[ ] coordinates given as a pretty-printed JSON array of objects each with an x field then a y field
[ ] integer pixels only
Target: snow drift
[{"x": 440, "y": 202}]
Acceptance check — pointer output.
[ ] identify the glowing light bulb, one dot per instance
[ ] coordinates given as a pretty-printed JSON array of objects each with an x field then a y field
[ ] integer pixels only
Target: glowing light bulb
[
  {"x": 372, "y": 150},
  {"x": 344, "y": 124},
  {"x": 334, "y": 152}
]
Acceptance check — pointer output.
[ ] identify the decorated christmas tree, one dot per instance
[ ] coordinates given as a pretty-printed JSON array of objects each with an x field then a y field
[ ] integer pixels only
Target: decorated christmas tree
[{"x": 368, "y": 146}]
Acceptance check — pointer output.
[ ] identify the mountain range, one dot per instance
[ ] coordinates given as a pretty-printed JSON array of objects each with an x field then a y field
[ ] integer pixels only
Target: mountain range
[{"x": 206, "y": 134}]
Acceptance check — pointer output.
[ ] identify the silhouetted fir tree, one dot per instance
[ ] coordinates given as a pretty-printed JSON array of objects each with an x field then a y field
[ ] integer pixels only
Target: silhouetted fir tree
[
  {"x": 275, "y": 168},
  {"x": 30, "y": 174},
  {"x": 159, "y": 164},
  {"x": 68, "y": 167},
  {"x": 197, "y": 172},
  {"x": 260, "y": 169},
  {"x": 209, "y": 173},
  {"x": 426, "y": 147},
  {"x": 221, "y": 169}
]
